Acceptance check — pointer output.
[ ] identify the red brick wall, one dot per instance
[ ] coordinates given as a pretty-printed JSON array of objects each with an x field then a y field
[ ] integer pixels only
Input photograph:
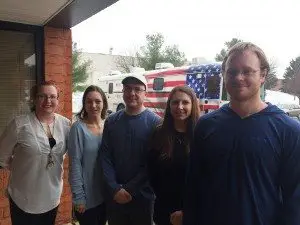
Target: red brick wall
[
  {"x": 58, "y": 59},
  {"x": 4, "y": 206},
  {"x": 58, "y": 67}
]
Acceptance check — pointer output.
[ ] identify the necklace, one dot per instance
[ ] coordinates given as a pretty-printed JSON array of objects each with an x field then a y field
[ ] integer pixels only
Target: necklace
[
  {"x": 52, "y": 142},
  {"x": 179, "y": 137},
  {"x": 95, "y": 128}
]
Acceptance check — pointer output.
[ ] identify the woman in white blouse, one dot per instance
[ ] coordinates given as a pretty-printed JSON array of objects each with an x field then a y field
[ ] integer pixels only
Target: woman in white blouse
[{"x": 33, "y": 147}]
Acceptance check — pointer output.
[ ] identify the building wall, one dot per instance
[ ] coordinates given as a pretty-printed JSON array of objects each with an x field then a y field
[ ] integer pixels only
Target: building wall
[
  {"x": 58, "y": 67},
  {"x": 103, "y": 64},
  {"x": 199, "y": 60},
  {"x": 4, "y": 206}
]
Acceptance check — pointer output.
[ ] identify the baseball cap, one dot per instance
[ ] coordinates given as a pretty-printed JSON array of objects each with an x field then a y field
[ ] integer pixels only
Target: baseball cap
[{"x": 135, "y": 79}]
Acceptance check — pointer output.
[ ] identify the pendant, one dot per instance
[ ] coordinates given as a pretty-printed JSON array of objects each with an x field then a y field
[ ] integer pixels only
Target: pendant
[
  {"x": 50, "y": 162},
  {"x": 179, "y": 140}
]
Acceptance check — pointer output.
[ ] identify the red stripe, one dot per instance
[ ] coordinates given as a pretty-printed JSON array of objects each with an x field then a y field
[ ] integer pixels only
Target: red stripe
[
  {"x": 210, "y": 107},
  {"x": 161, "y": 114},
  {"x": 166, "y": 73},
  {"x": 163, "y": 105},
  {"x": 158, "y": 94},
  {"x": 170, "y": 84},
  {"x": 157, "y": 105}
]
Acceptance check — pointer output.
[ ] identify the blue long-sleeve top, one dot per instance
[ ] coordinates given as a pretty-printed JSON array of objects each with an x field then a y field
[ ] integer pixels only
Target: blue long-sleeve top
[
  {"x": 85, "y": 170},
  {"x": 244, "y": 171},
  {"x": 124, "y": 152}
]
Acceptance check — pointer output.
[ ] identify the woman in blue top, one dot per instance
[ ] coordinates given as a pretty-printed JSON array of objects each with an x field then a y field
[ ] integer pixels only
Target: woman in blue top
[{"x": 85, "y": 172}]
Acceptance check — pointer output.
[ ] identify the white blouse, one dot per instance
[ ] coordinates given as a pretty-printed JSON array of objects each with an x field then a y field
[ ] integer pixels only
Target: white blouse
[{"x": 24, "y": 149}]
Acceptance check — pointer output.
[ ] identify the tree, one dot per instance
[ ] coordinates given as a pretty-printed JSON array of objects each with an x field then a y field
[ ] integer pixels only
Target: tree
[
  {"x": 174, "y": 56},
  {"x": 291, "y": 78},
  {"x": 271, "y": 79},
  {"x": 220, "y": 57},
  {"x": 80, "y": 69},
  {"x": 126, "y": 62},
  {"x": 151, "y": 53},
  {"x": 154, "y": 52},
  {"x": 228, "y": 44}
]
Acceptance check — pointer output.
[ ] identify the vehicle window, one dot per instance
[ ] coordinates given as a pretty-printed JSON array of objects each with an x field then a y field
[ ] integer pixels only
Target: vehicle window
[
  {"x": 110, "y": 88},
  {"x": 213, "y": 87},
  {"x": 158, "y": 84}
]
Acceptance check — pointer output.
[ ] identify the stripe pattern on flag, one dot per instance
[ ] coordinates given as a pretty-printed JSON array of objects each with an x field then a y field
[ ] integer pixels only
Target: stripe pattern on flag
[{"x": 203, "y": 79}]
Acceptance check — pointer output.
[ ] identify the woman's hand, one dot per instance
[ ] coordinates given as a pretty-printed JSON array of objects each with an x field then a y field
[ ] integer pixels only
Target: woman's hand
[
  {"x": 80, "y": 208},
  {"x": 176, "y": 218}
]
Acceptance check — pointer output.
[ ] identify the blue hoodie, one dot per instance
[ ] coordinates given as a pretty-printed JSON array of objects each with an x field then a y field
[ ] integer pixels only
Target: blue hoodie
[{"x": 244, "y": 171}]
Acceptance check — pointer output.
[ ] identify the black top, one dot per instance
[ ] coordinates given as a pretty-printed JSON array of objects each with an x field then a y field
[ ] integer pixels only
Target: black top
[{"x": 167, "y": 178}]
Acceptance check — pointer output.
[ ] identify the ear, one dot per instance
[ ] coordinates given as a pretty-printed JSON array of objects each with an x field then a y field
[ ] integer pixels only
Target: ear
[
  {"x": 263, "y": 76},
  {"x": 33, "y": 101}
]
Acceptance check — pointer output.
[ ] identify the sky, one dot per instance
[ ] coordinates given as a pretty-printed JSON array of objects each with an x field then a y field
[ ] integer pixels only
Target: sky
[{"x": 199, "y": 27}]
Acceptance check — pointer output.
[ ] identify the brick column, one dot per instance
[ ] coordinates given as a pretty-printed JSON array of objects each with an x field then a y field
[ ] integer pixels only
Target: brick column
[
  {"x": 4, "y": 205},
  {"x": 58, "y": 67}
]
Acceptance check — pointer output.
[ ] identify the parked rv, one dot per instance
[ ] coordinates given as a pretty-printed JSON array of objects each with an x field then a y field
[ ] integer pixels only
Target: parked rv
[{"x": 205, "y": 79}]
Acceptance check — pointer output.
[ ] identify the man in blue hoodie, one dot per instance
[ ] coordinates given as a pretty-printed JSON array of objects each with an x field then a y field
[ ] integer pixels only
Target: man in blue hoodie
[
  {"x": 245, "y": 159},
  {"x": 124, "y": 156}
]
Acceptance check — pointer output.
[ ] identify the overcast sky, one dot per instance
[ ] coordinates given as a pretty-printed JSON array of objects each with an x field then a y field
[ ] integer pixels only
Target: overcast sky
[{"x": 198, "y": 27}]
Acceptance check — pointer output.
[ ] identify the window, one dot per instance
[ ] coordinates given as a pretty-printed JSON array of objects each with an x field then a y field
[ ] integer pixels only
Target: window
[
  {"x": 17, "y": 73},
  {"x": 110, "y": 88},
  {"x": 213, "y": 87},
  {"x": 158, "y": 84}
]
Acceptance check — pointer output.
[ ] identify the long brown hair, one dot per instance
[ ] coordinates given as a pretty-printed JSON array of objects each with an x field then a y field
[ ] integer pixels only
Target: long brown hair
[
  {"x": 82, "y": 113},
  {"x": 165, "y": 133}
]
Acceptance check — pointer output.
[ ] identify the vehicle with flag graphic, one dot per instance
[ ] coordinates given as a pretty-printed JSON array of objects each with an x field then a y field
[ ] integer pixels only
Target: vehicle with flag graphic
[{"x": 205, "y": 79}]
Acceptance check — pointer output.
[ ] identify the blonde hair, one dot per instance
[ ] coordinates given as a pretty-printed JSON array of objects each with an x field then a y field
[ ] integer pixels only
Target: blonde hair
[{"x": 244, "y": 46}]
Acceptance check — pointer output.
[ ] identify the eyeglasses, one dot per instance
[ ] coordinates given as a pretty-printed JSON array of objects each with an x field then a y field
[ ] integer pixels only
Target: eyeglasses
[
  {"x": 52, "y": 142},
  {"x": 245, "y": 73},
  {"x": 136, "y": 90},
  {"x": 44, "y": 97}
]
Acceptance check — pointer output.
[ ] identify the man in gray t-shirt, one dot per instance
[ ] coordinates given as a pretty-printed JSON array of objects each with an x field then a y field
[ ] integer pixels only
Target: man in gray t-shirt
[{"x": 124, "y": 157}]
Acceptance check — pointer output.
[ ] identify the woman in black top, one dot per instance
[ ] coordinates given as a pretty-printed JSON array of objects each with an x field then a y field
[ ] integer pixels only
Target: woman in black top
[{"x": 169, "y": 152}]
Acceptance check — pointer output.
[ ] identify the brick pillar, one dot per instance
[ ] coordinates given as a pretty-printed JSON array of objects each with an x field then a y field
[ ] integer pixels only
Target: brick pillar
[
  {"x": 4, "y": 205},
  {"x": 58, "y": 67}
]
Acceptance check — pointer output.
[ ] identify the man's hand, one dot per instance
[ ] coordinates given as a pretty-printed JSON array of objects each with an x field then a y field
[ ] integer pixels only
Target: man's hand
[
  {"x": 122, "y": 196},
  {"x": 176, "y": 218},
  {"x": 80, "y": 208}
]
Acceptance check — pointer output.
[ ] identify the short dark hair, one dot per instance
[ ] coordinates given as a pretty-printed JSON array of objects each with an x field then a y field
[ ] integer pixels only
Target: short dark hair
[{"x": 82, "y": 113}]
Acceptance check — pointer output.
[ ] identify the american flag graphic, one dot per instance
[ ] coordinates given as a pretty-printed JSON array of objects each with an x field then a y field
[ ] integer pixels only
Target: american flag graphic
[{"x": 204, "y": 79}]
